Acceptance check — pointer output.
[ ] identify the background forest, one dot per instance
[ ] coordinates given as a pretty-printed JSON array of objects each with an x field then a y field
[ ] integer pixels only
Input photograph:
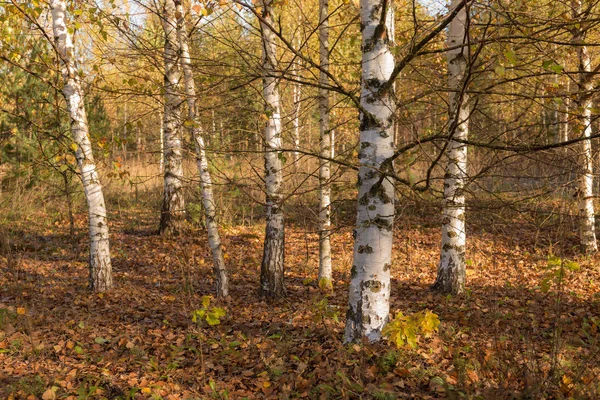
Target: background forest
[{"x": 299, "y": 199}]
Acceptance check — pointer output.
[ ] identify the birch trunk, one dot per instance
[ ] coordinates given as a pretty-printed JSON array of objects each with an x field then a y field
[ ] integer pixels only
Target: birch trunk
[
  {"x": 100, "y": 264},
  {"x": 587, "y": 220},
  {"x": 369, "y": 291},
  {"x": 173, "y": 206},
  {"x": 564, "y": 114},
  {"x": 214, "y": 239},
  {"x": 325, "y": 279},
  {"x": 451, "y": 270},
  {"x": 272, "y": 268},
  {"x": 296, "y": 96},
  {"x": 162, "y": 145}
]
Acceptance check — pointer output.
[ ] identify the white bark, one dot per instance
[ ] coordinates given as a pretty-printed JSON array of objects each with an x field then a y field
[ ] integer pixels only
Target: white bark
[
  {"x": 451, "y": 270},
  {"x": 564, "y": 114},
  {"x": 325, "y": 270},
  {"x": 162, "y": 144},
  {"x": 272, "y": 268},
  {"x": 296, "y": 96},
  {"x": 370, "y": 277},
  {"x": 587, "y": 220},
  {"x": 214, "y": 239},
  {"x": 173, "y": 207},
  {"x": 100, "y": 263}
]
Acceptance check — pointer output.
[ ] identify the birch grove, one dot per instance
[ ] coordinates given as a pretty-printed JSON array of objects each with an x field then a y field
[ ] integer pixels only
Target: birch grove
[
  {"x": 208, "y": 201},
  {"x": 272, "y": 266},
  {"x": 452, "y": 269},
  {"x": 173, "y": 204},
  {"x": 100, "y": 277},
  {"x": 369, "y": 297}
]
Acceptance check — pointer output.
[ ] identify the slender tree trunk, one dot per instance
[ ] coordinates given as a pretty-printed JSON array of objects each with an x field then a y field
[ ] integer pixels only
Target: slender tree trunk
[
  {"x": 554, "y": 116},
  {"x": 124, "y": 139},
  {"x": 587, "y": 220},
  {"x": 296, "y": 96},
  {"x": 564, "y": 114},
  {"x": 272, "y": 268},
  {"x": 451, "y": 270},
  {"x": 369, "y": 292},
  {"x": 138, "y": 144},
  {"x": 325, "y": 279},
  {"x": 162, "y": 144},
  {"x": 100, "y": 263},
  {"x": 214, "y": 239},
  {"x": 173, "y": 206}
]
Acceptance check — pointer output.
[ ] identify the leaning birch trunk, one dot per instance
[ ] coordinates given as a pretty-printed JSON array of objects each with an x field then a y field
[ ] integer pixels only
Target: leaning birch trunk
[
  {"x": 173, "y": 206},
  {"x": 100, "y": 263},
  {"x": 587, "y": 220},
  {"x": 369, "y": 292},
  {"x": 451, "y": 270},
  {"x": 325, "y": 279},
  {"x": 214, "y": 239},
  {"x": 272, "y": 267}
]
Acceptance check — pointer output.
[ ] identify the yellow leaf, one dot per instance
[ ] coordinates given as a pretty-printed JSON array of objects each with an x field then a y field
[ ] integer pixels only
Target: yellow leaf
[
  {"x": 50, "y": 394},
  {"x": 146, "y": 390},
  {"x": 74, "y": 146},
  {"x": 266, "y": 384},
  {"x": 21, "y": 310},
  {"x": 206, "y": 301},
  {"x": 100, "y": 295}
]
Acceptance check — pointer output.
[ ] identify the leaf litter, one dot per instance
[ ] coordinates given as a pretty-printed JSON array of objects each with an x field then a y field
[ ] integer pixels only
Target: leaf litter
[{"x": 505, "y": 338}]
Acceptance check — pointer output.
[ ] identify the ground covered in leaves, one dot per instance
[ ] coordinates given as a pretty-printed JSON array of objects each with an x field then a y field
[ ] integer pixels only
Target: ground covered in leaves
[{"x": 526, "y": 328}]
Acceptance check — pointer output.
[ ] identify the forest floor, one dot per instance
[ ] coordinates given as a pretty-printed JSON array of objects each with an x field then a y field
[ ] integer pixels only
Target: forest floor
[{"x": 526, "y": 328}]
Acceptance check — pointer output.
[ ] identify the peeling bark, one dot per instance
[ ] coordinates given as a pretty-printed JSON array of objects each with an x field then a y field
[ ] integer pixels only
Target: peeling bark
[
  {"x": 100, "y": 278},
  {"x": 452, "y": 269},
  {"x": 369, "y": 292},
  {"x": 173, "y": 206},
  {"x": 214, "y": 239},
  {"x": 272, "y": 267}
]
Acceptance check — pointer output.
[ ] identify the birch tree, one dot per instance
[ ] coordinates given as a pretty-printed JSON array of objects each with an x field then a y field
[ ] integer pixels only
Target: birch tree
[
  {"x": 325, "y": 132},
  {"x": 452, "y": 270},
  {"x": 100, "y": 278},
  {"x": 583, "y": 122},
  {"x": 173, "y": 206},
  {"x": 214, "y": 239},
  {"x": 296, "y": 98},
  {"x": 370, "y": 276},
  {"x": 272, "y": 267}
]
